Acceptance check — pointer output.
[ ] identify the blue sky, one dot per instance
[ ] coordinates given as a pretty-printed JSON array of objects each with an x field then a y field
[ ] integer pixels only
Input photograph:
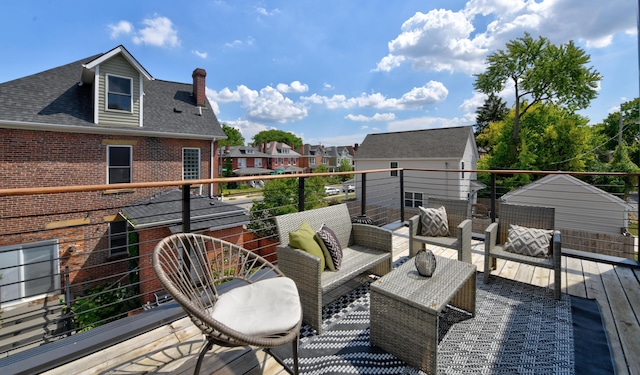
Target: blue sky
[{"x": 329, "y": 71}]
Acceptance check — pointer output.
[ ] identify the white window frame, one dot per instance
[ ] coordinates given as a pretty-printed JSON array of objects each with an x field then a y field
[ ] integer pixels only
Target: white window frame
[
  {"x": 130, "y": 166},
  {"x": 21, "y": 270},
  {"x": 108, "y": 92},
  {"x": 410, "y": 196},
  {"x": 257, "y": 162},
  {"x": 118, "y": 235},
  {"x": 189, "y": 173},
  {"x": 242, "y": 162}
]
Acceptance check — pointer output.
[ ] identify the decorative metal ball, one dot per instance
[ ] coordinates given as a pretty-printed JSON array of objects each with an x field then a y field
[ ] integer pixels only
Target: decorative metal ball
[{"x": 425, "y": 262}]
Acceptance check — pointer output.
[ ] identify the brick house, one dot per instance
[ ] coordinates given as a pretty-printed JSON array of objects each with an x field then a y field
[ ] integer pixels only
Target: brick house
[
  {"x": 244, "y": 161},
  {"x": 99, "y": 120},
  {"x": 282, "y": 158}
]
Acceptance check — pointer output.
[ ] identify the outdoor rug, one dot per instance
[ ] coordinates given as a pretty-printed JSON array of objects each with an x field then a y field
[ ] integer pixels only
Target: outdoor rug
[{"x": 518, "y": 328}]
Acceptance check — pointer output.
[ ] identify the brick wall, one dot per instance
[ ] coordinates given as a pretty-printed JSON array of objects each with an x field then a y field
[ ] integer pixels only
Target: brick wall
[{"x": 32, "y": 159}]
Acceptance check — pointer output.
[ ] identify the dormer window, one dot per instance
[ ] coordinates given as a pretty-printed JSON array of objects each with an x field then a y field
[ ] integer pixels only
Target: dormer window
[{"x": 119, "y": 93}]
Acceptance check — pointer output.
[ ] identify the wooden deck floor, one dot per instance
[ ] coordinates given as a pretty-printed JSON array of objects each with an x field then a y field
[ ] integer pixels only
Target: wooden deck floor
[{"x": 172, "y": 349}]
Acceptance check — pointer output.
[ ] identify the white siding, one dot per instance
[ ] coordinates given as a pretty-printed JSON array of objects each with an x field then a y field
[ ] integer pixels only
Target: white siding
[{"x": 577, "y": 206}]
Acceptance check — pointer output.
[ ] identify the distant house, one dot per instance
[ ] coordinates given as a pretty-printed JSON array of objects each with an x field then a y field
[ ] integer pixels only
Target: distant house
[
  {"x": 282, "y": 158},
  {"x": 244, "y": 161},
  {"x": 443, "y": 148},
  {"x": 313, "y": 156},
  {"x": 100, "y": 120},
  {"x": 589, "y": 218}
]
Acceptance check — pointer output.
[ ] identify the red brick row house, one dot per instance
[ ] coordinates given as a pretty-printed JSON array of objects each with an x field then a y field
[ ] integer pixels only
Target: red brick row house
[{"x": 103, "y": 119}]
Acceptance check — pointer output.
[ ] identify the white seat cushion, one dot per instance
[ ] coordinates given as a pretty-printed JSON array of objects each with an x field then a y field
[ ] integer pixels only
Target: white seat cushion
[{"x": 264, "y": 307}]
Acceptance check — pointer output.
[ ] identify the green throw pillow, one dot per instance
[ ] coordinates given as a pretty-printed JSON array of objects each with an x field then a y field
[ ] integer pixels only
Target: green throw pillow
[{"x": 303, "y": 239}]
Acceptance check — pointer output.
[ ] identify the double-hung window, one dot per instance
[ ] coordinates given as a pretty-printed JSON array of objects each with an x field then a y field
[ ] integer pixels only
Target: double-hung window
[
  {"x": 190, "y": 163},
  {"x": 257, "y": 162},
  {"x": 412, "y": 199},
  {"x": 119, "y": 93},
  {"x": 118, "y": 237},
  {"x": 393, "y": 165},
  {"x": 119, "y": 164}
]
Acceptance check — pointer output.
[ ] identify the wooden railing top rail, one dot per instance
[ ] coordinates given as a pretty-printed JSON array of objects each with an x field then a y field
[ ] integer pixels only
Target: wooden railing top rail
[{"x": 135, "y": 185}]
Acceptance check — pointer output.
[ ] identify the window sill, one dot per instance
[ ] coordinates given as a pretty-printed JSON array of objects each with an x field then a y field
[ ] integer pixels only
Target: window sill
[{"x": 118, "y": 191}]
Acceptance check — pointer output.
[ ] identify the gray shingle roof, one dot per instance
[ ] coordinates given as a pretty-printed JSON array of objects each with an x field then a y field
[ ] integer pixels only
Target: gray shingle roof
[
  {"x": 166, "y": 209},
  {"x": 53, "y": 97},
  {"x": 416, "y": 144}
]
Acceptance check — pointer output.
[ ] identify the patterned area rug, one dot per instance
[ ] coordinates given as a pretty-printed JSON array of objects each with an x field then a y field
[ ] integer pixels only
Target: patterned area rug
[{"x": 518, "y": 328}]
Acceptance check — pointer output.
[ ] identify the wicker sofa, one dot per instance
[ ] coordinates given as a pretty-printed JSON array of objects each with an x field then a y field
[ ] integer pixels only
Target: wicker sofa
[
  {"x": 365, "y": 248},
  {"x": 460, "y": 227}
]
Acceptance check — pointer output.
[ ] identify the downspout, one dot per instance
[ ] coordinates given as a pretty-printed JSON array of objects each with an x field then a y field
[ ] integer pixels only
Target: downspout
[{"x": 212, "y": 165}]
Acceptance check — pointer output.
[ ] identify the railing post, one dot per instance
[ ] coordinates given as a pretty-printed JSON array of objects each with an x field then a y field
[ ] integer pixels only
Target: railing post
[
  {"x": 402, "y": 196},
  {"x": 68, "y": 321},
  {"x": 186, "y": 208},
  {"x": 493, "y": 197},
  {"x": 363, "y": 202},
  {"x": 300, "y": 194}
]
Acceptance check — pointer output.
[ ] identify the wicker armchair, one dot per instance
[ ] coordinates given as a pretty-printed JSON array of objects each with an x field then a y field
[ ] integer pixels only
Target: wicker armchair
[
  {"x": 496, "y": 236},
  {"x": 235, "y": 297},
  {"x": 460, "y": 227}
]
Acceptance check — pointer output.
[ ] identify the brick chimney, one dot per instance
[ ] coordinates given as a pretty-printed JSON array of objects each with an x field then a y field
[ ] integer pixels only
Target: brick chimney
[{"x": 199, "y": 86}]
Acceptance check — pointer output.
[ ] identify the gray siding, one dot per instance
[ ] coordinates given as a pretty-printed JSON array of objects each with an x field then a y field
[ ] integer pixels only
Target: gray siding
[{"x": 118, "y": 66}]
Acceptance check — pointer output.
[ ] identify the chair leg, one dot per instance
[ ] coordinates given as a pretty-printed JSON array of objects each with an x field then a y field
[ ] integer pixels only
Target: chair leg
[
  {"x": 294, "y": 350},
  {"x": 205, "y": 348}
]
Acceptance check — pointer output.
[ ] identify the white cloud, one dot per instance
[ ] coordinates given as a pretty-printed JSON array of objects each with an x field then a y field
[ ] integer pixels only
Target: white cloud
[
  {"x": 200, "y": 54},
  {"x": 240, "y": 43},
  {"x": 327, "y": 86},
  {"x": 248, "y": 129},
  {"x": 265, "y": 12},
  {"x": 431, "y": 93},
  {"x": 471, "y": 105},
  {"x": 122, "y": 27},
  {"x": 267, "y": 105},
  {"x": 376, "y": 117},
  {"x": 295, "y": 86},
  {"x": 425, "y": 123},
  {"x": 158, "y": 32},
  {"x": 446, "y": 40},
  {"x": 438, "y": 41}
]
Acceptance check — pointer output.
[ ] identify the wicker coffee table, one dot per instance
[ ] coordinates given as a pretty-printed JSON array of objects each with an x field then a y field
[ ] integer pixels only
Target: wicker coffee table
[{"x": 405, "y": 307}]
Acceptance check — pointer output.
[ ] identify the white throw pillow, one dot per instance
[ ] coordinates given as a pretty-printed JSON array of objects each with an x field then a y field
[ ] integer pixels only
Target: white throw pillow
[
  {"x": 528, "y": 241},
  {"x": 434, "y": 222}
]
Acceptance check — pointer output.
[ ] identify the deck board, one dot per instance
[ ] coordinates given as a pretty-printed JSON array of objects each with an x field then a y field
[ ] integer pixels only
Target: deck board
[{"x": 173, "y": 349}]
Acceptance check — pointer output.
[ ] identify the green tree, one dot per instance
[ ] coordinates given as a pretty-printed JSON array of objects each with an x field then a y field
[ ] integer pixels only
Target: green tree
[
  {"x": 609, "y": 130},
  {"x": 553, "y": 138},
  {"x": 540, "y": 72},
  {"x": 345, "y": 166},
  {"x": 275, "y": 135},
  {"x": 494, "y": 109},
  {"x": 234, "y": 137},
  {"x": 280, "y": 196},
  {"x": 618, "y": 185}
]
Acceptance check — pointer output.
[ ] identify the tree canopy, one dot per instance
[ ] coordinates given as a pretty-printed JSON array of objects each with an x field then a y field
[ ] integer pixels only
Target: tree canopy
[
  {"x": 540, "y": 72},
  {"x": 553, "y": 138},
  {"x": 274, "y": 135},
  {"x": 609, "y": 130},
  {"x": 234, "y": 137},
  {"x": 494, "y": 109}
]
